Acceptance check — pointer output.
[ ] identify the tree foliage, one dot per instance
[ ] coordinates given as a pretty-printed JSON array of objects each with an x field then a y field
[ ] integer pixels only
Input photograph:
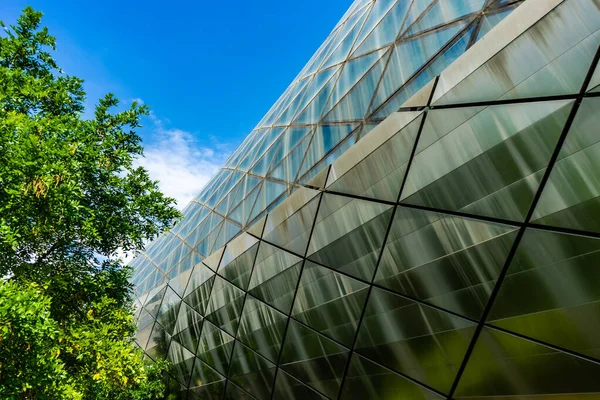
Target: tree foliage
[{"x": 71, "y": 198}]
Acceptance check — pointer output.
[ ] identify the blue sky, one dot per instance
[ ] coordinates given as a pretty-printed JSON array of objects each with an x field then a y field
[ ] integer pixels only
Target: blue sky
[{"x": 209, "y": 69}]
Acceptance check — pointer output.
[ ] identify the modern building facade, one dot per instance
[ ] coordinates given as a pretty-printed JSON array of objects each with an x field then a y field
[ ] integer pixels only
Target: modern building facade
[{"x": 417, "y": 217}]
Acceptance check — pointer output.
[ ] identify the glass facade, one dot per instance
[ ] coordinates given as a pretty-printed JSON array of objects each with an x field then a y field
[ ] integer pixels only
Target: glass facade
[{"x": 417, "y": 217}]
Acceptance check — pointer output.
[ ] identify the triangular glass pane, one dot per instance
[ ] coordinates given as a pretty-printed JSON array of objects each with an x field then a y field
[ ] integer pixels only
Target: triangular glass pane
[
  {"x": 314, "y": 359},
  {"x": 330, "y": 302},
  {"x": 553, "y": 282},
  {"x": 355, "y": 104},
  {"x": 444, "y": 11},
  {"x": 324, "y": 139},
  {"x": 252, "y": 372},
  {"x": 504, "y": 151},
  {"x": 338, "y": 236},
  {"x": 345, "y": 31},
  {"x": 289, "y": 113},
  {"x": 270, "y": 262},
  {"x": 352, "y": 72},
  {"x": 228, "y": 231},
  {"x": 529, "y": 67},
  {"x": 416, "y": 10},
  {"x": 214, "y": 347},
  {"x": 341, "y": 53},
  {"x": 527, "y": 370},
  {"x": 249, "y": 183},
  {"x": 321, "y": 55},
  {"x": 367, "y": 380},
  {"x": 292, "y": 95},
  {"x": 433, "y": 343},
  {"x": 278, "y": 290},
  {"x": 241, "y": 213},
  {"x": 289, "y": 388},
  {"x": 387, "y": 30},
  {"x": 318, "y": 83},
  {"x": 408, "y": 57},
  {"x": 379, "y": 10},
  {"x": 261, "y": 328},
  {"x": 425, "y": 76},
  {"x": 571, "y": 197},
  {"x": 313, "y": 111},
  {"x": 269, "y": 191},
  {"x": 182, "y": 362},
  {"x": 288, "y": 168},
  {"x": 380, "y": 174}
]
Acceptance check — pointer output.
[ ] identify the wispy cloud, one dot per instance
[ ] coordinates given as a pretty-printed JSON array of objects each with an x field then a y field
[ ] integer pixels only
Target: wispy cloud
[{"x": 180, "y": 164}]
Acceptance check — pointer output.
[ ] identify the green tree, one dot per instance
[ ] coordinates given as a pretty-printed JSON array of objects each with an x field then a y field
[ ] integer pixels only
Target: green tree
[{"x": 71, "y": 198}]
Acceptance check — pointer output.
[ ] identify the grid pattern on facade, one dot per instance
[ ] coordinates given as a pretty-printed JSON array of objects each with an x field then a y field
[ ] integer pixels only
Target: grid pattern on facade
[
  {"x": 377, "y": 57},
  {"x": 452, "y": 254}
]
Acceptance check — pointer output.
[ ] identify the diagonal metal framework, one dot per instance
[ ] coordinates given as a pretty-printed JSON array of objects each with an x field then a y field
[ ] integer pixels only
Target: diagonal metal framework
[{"x": 427, "y": 228}]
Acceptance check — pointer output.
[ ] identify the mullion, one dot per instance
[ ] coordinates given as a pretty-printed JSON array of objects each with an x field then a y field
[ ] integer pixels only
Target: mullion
[
  {"x": 287, "y": 324},
  {"x": 235, "y": 337},
  {"x": 385, "y": 238},
  {"x": 513, "y": 250}
]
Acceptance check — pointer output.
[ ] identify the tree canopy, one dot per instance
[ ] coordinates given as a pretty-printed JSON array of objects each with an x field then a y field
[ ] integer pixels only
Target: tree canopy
[{"x": 71, "y": 197}]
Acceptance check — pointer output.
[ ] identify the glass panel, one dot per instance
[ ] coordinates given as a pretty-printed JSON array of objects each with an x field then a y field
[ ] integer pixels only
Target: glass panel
[
  {"x": 206, "y": 383},
  {"x": 341, "y": 52},
  {"x": 289, "y": 166},
  {"x": 313, "y": 111},
  {"x": 242, "y": 212},
  {"x": 367, "y": 380},
  {"x": 289, "y": 225},
  {"x": 387, "y": 30},
  {"x": 326, "y": 137},
  {"x": 233, "y": 392},
  {"x": 182, "y": 362},
  {"x": 215, "y": 347},
  {"x": 199, "y": 287},
  {"x": 313, "y": 359},
  {"x": 225, "y": 305},
  {"x": 444, "y": 11},
  {"x": 179, "y": 276},
  {"x": 355, "y": 104},
  {"x": 330, "y": 302},
  {"x": 275, "y": 277},
  {"x": 352, "y": 72},
  {"x": 485, "y": 161},
  {"x": 571, "y": 197},
  {"x": 448, "y": 261},
  {"x": 421, "y": 342},
  {"x": 158, "y": 343},
  {"x": 505, "y": 366},
  {"x": 187, "y": 318},
  {"x": 348, "y": 235},
  {"x": 551, "y": 292},
  {"x": 289, "y": 388},
  {"x": 432, "y": 70},
  {"x": 261, "y": 328},
  {"x": 268, "y": 192},
  {"x": 252, "y": 372},
  {"x": 409, "y": 56},
  {"x": 379, "y": 10},
  {"x": 238, "y": 259},
  {"x": 167, "y": 315},
  {"x": 530, "y": 67},
  {"x": 152, "y": 305},
  {"x": 380, "y": 174}
]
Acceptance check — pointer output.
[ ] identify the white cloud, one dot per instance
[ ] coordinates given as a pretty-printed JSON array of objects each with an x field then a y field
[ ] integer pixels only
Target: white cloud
[{"x": 179, "y": 163}]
